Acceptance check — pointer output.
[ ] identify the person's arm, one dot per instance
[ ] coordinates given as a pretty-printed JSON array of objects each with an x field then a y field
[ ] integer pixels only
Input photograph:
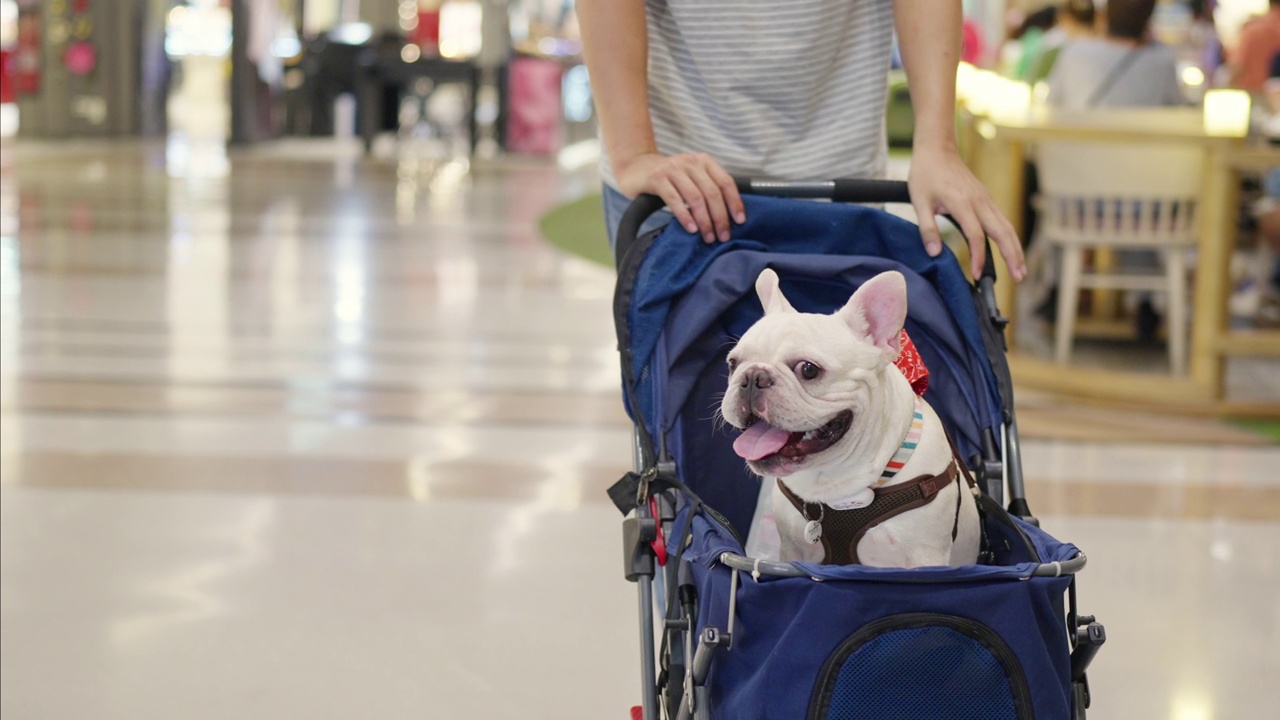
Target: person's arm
[
  {"x": 1238, "y": 58},
  {"x": 615, "y": 45},
  {"x": 929, "y": 39}
]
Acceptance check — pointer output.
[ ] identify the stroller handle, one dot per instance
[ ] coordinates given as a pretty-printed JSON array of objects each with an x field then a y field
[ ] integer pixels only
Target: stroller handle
[
  {"x": 843, "y": 190},
  {"x": 852, "y": 190},
  {"x": 846, "y": 190},
  {"x": 786, "y": 569}
]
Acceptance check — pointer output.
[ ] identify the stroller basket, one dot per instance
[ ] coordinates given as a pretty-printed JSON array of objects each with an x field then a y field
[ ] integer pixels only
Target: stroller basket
[{"x": 726, "y": 635}]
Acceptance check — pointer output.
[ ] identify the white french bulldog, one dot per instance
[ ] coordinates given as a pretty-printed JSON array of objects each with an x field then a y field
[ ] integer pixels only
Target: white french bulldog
[{"x": 825, "y": 411}]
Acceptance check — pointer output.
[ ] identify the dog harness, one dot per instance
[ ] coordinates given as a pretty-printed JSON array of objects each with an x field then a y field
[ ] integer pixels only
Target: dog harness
[{"x": 840, "y": 531}]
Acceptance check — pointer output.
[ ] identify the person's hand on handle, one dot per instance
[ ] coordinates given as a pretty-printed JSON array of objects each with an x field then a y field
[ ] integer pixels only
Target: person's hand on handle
[
  {"x": 698, "y": 191},
  {"x": 941, "y": 183},
  {"x": 929, "y": 39},
  {"x": 701, "y": 195}
]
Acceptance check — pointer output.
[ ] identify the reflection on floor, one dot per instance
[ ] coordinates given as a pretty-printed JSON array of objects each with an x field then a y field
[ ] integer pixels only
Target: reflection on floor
[{"x": 288, "y": 433}]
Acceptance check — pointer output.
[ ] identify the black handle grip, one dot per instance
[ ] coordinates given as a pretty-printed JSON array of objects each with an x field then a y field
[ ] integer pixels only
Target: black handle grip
[
  {"x": 629, "y": 226},
  {"x": 847, "y": 190},
  {"x": 871, "y": 191},
  {"x": 989, "y": 266}
]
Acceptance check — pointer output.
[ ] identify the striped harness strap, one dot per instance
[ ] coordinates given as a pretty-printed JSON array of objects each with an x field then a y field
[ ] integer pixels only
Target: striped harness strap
[{"x": 908, "y": 446}]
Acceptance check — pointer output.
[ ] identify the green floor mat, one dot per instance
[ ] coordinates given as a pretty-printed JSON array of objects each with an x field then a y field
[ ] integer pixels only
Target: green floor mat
[
  {"x": 1269, "y": 429},
  {"x": 578, "y": 228}
]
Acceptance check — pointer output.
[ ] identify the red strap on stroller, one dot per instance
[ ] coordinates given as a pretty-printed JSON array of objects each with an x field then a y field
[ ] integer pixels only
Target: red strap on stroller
[{"x": 659, "y": 543}]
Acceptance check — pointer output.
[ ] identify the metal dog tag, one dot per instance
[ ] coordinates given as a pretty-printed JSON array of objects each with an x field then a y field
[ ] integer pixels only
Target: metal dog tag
[{"x": 813, "y": 532}]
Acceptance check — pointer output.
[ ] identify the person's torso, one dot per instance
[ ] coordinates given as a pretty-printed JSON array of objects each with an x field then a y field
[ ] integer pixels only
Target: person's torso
[
  {"x": 1098, "y": 73},
  {"x": 789, "y": 90}
]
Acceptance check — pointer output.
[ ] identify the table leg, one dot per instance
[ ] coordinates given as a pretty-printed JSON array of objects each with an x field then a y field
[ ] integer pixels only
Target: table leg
[
  {"x": 1216, "y": 244},
  {"x": 472, "y": 125},
  {"x": 369, "y": 108}
]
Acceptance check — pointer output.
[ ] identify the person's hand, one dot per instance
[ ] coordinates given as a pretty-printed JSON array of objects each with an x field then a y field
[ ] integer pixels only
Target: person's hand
[
  {"x": 699, "y": 192},
  {"x": 940, "y": 183}
]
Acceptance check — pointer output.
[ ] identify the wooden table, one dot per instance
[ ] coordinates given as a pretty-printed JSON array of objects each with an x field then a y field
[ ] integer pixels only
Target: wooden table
[{"x": 996, "y": 149}]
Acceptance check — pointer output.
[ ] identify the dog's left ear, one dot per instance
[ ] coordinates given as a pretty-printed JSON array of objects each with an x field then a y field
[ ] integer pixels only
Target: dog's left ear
[
  {"x": 877, "y": 312},
  {"x": 770, "y": 294}
]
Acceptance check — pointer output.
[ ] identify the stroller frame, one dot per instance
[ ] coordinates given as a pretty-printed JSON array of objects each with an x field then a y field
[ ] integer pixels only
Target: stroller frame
[{"x": 676, "y": 658}]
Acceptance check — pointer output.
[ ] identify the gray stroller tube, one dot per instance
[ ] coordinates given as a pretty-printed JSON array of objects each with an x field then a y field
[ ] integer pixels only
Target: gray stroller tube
[{"x": 786, "y": 569}]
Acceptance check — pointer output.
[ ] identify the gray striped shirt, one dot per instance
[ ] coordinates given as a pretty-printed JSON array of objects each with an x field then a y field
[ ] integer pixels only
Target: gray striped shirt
[{"x": 775, "y": 89}]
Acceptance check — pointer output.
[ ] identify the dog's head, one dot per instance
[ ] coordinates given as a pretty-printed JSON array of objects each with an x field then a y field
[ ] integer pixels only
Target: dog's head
[{"x": 800, "y": 383}]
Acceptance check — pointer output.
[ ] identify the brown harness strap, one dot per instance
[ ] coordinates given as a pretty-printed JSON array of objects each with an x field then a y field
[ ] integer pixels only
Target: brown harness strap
[
  {"x": 968, "y": 476},
  {"x": 842, "y": 530}
]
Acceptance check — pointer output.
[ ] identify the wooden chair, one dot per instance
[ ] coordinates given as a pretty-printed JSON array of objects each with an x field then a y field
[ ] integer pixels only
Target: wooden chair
[{"x": 1141, "y": 196}]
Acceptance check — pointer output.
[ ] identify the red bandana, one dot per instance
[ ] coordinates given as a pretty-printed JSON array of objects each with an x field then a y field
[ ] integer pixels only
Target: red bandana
[{"x": 912, "y": 365}]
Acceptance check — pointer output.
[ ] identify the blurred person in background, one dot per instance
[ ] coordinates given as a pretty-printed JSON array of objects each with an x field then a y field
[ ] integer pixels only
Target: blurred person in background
[
  {"x": 1124, "y": 68},
  {"x": 1073, "y": 20},
  {"x": 1201, "y": 46},
  {"x": 1027, "y": 24},
  {"x": 1266, "y": 210},
  {"x": 690, "y": 92},
  {"x": 1267, "y": 214}
]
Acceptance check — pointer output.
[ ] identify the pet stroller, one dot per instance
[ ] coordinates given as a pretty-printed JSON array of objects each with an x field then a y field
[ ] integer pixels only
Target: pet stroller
[{"x": 724, "y": 635}]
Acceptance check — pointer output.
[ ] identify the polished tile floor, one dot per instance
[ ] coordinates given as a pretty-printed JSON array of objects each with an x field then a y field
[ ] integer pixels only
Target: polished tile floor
[{"x": 288, "y": 433}]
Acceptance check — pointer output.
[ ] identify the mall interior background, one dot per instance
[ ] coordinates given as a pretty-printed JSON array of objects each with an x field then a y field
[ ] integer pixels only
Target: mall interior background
[{"x": 308, "y": 405}]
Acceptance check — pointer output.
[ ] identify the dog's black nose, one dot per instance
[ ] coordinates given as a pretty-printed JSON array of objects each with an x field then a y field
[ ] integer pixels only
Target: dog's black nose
[{"x": 759, "y": 378}]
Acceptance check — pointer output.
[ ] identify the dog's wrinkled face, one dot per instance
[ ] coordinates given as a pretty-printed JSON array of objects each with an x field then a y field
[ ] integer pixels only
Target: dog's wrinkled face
[{"x": 799, "y": 382}]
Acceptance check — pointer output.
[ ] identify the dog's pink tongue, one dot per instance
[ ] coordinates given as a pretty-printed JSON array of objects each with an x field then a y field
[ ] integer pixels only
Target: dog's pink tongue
[{"x": 760, "y": 440}]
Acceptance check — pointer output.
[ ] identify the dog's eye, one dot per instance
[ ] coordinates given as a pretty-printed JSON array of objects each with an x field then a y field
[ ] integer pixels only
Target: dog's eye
[
  {"x": 733, "y": 364},
  {"x": 808, "y": 370}
]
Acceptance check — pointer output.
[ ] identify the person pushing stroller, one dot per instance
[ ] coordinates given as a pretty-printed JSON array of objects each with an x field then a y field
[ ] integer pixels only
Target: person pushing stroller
[{"x": 691, "y": 93}]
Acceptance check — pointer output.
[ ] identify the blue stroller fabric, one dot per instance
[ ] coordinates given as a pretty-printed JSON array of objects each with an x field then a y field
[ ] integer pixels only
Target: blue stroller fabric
[{"x": 787, "y": 629}]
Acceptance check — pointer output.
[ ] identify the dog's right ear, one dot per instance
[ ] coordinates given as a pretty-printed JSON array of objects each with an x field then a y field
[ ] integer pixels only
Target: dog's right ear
[
  {"x": 877, "y": 311},
  {"x": 770, "y": 294}
]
